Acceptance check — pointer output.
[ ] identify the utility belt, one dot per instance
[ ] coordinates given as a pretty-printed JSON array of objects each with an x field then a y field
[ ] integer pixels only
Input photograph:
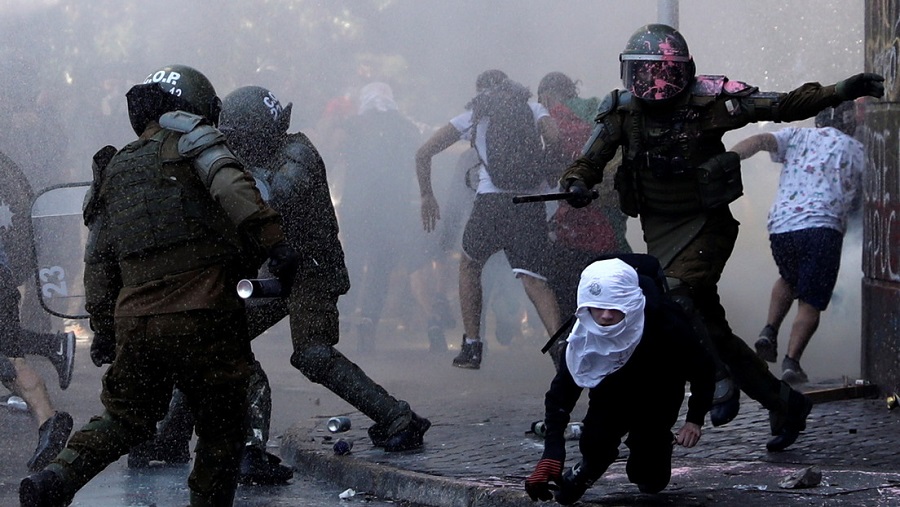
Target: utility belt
[{"x": 671, "y": 185}]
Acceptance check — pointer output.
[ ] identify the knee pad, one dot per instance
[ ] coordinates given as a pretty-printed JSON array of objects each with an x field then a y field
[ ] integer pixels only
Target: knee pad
[{"x": 314, "y": 361}]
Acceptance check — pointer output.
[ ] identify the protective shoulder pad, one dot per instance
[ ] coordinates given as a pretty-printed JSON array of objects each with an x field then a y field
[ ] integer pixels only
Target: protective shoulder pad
[
  {"x": 198, "y": 140},
  {"x": 201, "y": 142},
  {"x": 180, "y": 121},
  {"x": 711, "y": 86},
  {"x": 609, "y": 104}
]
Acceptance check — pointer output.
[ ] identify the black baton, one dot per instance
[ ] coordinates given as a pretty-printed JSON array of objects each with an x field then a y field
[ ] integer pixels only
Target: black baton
[{"x": 554, "y": 196}]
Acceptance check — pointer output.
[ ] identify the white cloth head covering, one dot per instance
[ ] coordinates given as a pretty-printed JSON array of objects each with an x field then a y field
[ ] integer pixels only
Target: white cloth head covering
[
  {"x": 595, "y": 351},
  {"x": 376, "y": 96}
]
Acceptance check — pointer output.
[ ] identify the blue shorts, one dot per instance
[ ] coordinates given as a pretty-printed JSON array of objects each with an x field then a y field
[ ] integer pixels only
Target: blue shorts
[
  {"x": 809, "y": 260},
  {"x": 520, "y": 230}
]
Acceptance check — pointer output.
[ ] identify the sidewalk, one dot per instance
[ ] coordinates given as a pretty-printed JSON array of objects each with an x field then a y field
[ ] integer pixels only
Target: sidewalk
[{"x": 480, "y": 456}]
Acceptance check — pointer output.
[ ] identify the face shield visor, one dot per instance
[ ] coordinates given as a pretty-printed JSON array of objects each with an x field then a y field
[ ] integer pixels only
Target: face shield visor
[{"x": 656, "y": 77}]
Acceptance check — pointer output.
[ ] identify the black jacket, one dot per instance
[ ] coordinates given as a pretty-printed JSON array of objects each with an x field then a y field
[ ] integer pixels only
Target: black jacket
[{"x": 650, "y": 386}]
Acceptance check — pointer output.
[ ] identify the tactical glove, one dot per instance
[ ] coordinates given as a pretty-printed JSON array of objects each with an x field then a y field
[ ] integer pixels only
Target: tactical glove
[
  {"x": 537, "y": 485},
  {"x": 580, "y": 196},
  {"x": 103, "y": 349},
  {"x": 283, "y": 263},
  {"x": 860, "y": 85}
]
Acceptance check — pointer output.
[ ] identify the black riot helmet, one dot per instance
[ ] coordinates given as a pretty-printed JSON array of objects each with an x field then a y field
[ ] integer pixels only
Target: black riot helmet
[
  {"x": 841, "y": 117},
  {"x": 172, "y": 88},
  {"x": 656, "y": 64},
  {"x": 254, "y": 122}
]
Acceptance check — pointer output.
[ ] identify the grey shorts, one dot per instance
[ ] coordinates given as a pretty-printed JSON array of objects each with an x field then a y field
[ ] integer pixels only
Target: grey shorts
[{"x": 519, "y": 230}]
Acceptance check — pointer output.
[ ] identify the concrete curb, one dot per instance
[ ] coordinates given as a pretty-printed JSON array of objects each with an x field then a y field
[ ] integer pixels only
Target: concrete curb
[{"x": 390, "y": 482}]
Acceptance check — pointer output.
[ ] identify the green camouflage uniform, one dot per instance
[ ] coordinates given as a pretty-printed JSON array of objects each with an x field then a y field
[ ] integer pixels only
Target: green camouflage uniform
[{"x": 676, "y": 177}]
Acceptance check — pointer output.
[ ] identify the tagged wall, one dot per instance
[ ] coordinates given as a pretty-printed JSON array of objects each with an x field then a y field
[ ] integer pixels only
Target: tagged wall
[{"x": 881, "y": 201}]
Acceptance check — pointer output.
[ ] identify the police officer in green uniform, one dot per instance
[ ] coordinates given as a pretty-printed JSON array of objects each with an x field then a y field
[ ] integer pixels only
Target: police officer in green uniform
[
  {"x": 174, "y": 223},
  {"x": 290, "y": 171},
  {"x": 677, "y": 176},
  {"x": 292, "y": 177}
]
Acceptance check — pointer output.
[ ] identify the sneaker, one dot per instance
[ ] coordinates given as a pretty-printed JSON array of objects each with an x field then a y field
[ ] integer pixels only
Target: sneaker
[
  {"x": 410, "y": 437},
  {"x": 260, "y": 467},
  {"x": 154, "y": 450},
  {"x": 469, "y": 355},
  {"x": 43, "y": 489},
  {"x": 792, "y": 373},
  {"x": 573, "y": 485},
  {"x": 52, "y": 437},
  {"x": 63, "y": 358},
  {"x": 767, "y": 345}
]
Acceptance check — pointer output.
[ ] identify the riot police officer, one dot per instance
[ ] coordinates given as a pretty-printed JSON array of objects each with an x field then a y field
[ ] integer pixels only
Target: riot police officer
[
  {"x": 677, "y": 176},
  {"x": 292, "y": 177},
  {"x": 174, "y": 223}
]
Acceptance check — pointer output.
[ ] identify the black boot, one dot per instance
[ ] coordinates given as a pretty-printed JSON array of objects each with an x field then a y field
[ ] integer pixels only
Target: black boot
[
  {"x": 44, "y": 489},
  {"x": 52, "y": 437},
  {"x": 260, "y": 467},
  {"x": 410, "y": 437},
  {"x": 171, "y": 445},
  {"x": 787, "y": 425},
  {"x": 574, "y": 483}
]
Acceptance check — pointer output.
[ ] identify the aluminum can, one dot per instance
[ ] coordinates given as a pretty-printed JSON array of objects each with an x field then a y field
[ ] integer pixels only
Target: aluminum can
[{"x": 338, "y": 424}]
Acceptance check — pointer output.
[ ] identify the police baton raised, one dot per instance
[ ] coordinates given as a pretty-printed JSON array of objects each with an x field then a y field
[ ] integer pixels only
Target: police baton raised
[{"x": 553, "y": 196}]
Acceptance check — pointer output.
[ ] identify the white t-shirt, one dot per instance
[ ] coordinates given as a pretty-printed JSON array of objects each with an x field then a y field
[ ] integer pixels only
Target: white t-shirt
[
  {"x": 821, "y": 176},
  {"x": 463, "y": 123}
]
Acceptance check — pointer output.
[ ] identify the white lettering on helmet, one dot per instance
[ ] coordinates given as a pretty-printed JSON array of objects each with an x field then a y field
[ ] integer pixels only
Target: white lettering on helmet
[{"x": 274, "y": 106}]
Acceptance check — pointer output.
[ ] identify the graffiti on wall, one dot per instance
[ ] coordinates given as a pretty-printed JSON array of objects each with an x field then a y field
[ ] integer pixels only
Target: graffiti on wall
[
  {"x": 883, "y": 43},
  {"x": 881, "y": 218}
]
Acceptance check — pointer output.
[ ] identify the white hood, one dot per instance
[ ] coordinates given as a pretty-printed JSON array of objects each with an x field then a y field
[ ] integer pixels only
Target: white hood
[{"x": 596, "y": 351}]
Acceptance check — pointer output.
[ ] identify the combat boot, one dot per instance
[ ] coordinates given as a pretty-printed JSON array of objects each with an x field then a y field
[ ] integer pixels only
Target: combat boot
[
  {"x": 406, "y": 438},
  {"x": 260, "y": 467},
  {"x": 44, "y": 489},
  {"x": 573, "y": 484},
  {"x": 786, "y": 425}
]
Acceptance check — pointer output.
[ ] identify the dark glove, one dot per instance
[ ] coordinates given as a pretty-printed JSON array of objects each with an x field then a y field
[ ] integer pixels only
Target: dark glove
[
  {"x": 283, "y": 263},
  {"x": 537, "y": 485},
  {"x": 580, "y": 196},
  {"x": 860, "y": 85},
  {"x": 103, "y": 349}
]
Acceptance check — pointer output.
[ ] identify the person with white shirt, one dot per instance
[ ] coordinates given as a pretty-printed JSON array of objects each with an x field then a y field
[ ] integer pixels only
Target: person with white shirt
[
  {"x": 495, "y": 224},
  {"x": 819, "y": 187}
]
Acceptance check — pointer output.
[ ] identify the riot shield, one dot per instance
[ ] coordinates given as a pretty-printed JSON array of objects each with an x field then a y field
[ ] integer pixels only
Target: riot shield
[{"x": 59, "y": 240}]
